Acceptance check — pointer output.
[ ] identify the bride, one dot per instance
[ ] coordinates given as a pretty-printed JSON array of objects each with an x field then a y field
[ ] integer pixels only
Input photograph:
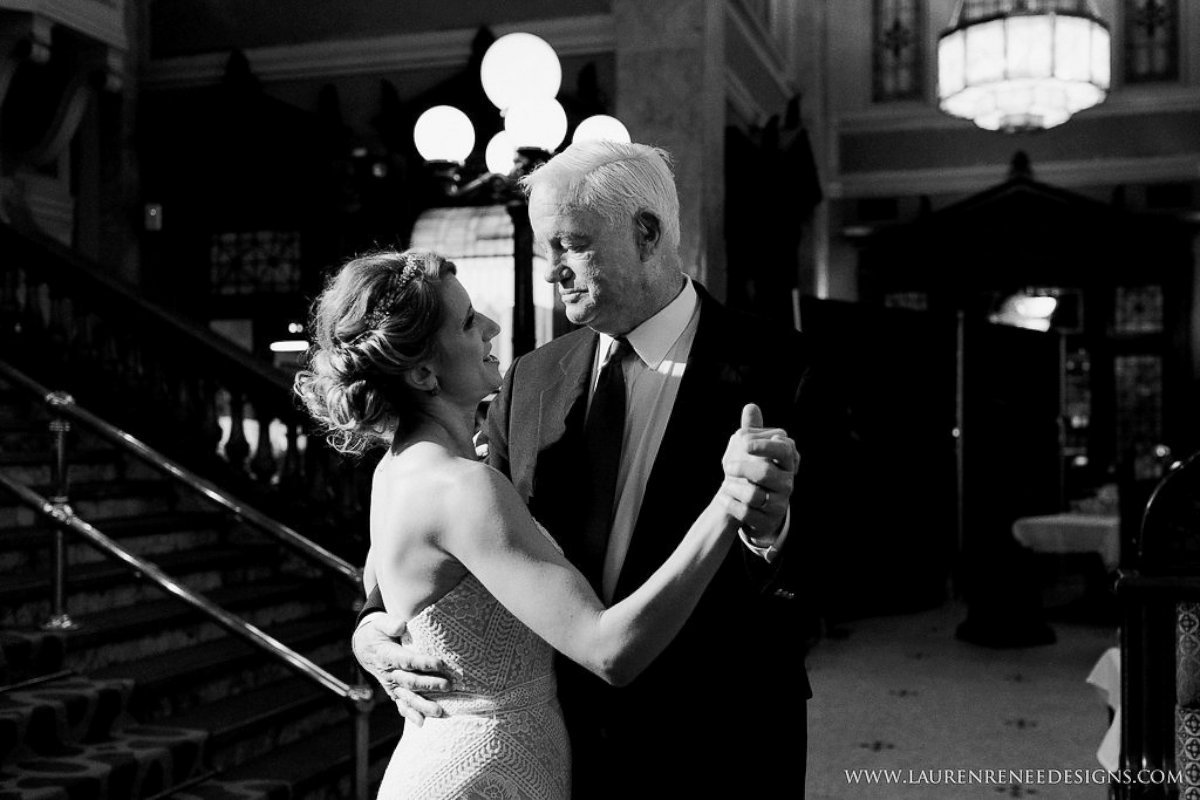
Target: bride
[{"x": 401, "y": 359}]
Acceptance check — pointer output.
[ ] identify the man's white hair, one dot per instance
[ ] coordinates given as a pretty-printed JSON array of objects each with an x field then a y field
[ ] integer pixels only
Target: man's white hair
[{"x": 616, "y": 180}]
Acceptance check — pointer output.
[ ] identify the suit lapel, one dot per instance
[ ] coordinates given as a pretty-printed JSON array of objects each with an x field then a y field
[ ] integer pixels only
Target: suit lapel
[
  {"x": 559, "y": 399},
  {"x": 554, "y": 467},
  {"x": 687, "y": 468}
]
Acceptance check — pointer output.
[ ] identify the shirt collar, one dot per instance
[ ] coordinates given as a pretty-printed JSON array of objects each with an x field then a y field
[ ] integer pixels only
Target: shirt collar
[{"x": 653, "y": 339}]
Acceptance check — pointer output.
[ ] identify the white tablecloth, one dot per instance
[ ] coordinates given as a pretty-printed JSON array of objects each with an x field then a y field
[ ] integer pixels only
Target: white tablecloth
[
  {"x": 1106, "y": 676},
  {"x": 1072, "y": 533}
]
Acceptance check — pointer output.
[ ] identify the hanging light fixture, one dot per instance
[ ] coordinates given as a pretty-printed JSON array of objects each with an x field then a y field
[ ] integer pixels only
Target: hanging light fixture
[{"x": 1022, "y": 65}]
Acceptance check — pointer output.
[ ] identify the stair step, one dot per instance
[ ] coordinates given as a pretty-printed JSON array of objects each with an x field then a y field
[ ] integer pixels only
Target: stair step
[
  {"x": 131, "y": 633},
  {"x": 146, "y": 535},
  {"x": 92, "y": 465},
  {"x": 182, "y": 679},
  {"x": 109, "y": 585},
  {"x": 48, "y": 718},
  {"x": 96, "y": 500},
  {"x": 133, "y": 763},
  {"x": 251, "y": 724},
  {"x": 320, "y": 765},
  {"x": 220, "y": 789},
  {"x": 28, "y": 654}
]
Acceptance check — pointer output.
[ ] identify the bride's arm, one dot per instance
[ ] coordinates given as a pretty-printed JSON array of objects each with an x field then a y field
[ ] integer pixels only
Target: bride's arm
[
  {"x": 369, "y": 580},
  {"x": 490, "y": 531}
]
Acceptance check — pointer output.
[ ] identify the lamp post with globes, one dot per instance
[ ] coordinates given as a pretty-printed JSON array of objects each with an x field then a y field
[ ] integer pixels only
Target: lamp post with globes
[{"x": 521, "y": 76}]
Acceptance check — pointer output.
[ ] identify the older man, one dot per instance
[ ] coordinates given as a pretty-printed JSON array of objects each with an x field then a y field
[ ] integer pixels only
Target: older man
[{"x": 722, "y": 711}]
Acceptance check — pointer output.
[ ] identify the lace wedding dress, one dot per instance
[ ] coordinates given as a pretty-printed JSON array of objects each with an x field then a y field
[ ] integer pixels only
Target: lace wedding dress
[{"x": 502, "y": 737}]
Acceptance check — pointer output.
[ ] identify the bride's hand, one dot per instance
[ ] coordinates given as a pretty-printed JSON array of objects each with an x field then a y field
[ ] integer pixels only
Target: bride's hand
[{"x": 760, "y": 465}]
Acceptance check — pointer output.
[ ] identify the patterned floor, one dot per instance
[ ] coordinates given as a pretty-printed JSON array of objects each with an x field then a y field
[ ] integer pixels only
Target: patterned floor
[{"x": 902, "y": 693}]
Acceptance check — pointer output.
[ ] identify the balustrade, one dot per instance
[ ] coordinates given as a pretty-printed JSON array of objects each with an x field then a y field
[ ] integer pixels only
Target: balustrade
[{"x": 173, "y": 383}]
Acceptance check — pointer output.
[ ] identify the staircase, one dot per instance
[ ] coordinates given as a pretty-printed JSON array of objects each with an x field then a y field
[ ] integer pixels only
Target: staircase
[{"x": 148, "y": 698}]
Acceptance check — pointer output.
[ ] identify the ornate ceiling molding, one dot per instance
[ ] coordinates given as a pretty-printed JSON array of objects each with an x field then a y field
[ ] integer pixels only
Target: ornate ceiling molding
[
  {"x": 570, "y": 36},
  {"x": 102, "y": 20},
  {"x": 1067, "y": 174}
]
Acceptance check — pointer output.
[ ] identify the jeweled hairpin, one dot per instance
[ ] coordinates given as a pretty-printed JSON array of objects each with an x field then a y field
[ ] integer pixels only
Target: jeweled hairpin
[{"x": 386, "y": 305}]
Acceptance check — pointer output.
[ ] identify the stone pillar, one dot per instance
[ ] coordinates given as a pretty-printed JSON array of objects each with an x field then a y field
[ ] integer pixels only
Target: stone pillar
[{"x": 671, "y": 93}]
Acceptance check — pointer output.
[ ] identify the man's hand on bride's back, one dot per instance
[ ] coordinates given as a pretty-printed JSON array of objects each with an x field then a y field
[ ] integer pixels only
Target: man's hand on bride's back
[
  {"x": 760, "y": 466},
  {"x": 402, "y": 672}
]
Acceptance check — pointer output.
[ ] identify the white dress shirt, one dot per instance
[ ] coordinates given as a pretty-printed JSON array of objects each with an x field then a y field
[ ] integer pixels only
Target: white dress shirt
[{"x": 662, "y": 345}]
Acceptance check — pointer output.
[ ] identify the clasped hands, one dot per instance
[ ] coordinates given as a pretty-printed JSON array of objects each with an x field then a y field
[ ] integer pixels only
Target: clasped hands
[{"x": 760, "y": 466}]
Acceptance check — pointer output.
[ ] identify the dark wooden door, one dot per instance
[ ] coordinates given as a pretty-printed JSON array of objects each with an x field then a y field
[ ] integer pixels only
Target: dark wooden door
[
  {"x": 896, "y": 368},
  {"x": 1011, "y": 466}
]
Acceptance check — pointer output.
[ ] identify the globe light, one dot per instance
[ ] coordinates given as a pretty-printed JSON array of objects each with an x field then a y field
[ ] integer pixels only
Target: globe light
[
  {"x": 601, "y": 127},
  {"x": 443, "y": 133},
  {"x": 500, "y": 153},
  {"x": 517, "y": 67},
  {"x": 541, "y": 124}
]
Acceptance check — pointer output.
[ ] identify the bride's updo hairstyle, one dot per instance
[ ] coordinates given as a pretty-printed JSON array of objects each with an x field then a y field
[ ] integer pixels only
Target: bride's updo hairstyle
[{"x": 376, "y": 319}]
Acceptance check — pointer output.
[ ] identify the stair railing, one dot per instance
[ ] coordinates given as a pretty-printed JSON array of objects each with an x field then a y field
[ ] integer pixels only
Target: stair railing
[
  {"x": 359, "y": 698},
  {"x": 65, "y": 409}
]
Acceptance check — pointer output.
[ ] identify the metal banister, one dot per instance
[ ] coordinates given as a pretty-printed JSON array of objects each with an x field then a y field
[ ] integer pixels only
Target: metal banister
[
  {"x": 64, "y": 404},
  {"x": 63, "y": 516},
  {"x": 359, "y": 697}
]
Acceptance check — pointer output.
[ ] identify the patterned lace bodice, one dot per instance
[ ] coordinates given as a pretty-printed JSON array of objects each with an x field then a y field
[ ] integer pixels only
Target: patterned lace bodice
[
  {"x": 496, "y": 660},
  {"x": 503, "y": 736}
]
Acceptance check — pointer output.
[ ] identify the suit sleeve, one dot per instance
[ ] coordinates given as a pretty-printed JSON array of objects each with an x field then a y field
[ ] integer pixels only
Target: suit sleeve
[{"x": 373, "y": 605}]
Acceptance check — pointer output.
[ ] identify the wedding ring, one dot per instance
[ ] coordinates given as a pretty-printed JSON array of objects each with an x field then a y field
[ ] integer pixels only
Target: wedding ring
[{"x": 766, "y": 499}]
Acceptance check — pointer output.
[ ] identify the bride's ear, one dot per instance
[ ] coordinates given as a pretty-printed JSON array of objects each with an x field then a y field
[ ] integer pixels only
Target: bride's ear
[{"x": 422, "y": 379}]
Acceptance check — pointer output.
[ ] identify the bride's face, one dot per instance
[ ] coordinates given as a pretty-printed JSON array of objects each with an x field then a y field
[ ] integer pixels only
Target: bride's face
[{"x": 465, "y": 367}]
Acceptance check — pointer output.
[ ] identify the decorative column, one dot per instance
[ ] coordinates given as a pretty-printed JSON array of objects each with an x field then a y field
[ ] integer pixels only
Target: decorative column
[
  {"x": 671, "y": 93},
  {"x": 812, "y": 49}
]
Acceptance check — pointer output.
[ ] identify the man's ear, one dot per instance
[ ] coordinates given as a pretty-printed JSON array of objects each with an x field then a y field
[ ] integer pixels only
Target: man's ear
[
  {"x": 648, "y": 232},
  {"x": 421, "y": 378}
]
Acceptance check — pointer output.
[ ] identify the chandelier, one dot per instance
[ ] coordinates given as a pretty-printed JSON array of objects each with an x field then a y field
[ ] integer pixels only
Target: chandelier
[{"x": 1022, "y": 65}]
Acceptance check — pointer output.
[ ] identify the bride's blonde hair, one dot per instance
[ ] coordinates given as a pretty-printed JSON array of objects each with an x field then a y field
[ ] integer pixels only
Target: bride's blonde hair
[{"x": 376, "y": 319}]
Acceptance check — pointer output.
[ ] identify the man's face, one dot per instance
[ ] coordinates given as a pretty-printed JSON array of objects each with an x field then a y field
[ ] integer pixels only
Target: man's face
[{"x": 596, "y": 265}]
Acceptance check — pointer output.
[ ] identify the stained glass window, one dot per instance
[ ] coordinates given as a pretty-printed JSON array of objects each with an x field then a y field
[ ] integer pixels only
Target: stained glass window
[
  {"x": 248, "y": 262},
  {"x": 1139, "y": 381},
  {"x": 1151, "y": 40},
  {"x": 1138, "y": 309},
  {"x": 916, "y": 301},
  {"x": 898, "y": 50},
  {"x": 1077, "y": 400}
]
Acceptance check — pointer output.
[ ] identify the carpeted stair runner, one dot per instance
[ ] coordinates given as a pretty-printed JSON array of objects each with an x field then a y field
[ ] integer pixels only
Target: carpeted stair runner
[
  {"x": 71, "y": 738},
  {"x": 148, "y": 699}
]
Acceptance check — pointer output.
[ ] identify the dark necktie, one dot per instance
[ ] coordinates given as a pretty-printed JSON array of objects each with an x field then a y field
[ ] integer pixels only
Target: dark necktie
[{"x": 603, "y": 433}]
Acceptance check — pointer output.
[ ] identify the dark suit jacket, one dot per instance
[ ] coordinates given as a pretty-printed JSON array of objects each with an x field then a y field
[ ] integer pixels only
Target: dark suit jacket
[{"x": 726, "y": 700}]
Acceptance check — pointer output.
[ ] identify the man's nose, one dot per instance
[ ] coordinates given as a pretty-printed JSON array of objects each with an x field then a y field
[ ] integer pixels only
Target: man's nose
[{"x": 555, "y": 271}]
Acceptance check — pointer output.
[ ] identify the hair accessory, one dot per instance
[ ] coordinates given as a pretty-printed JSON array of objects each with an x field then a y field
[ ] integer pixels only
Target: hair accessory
[{"x": 387, "y": 303}]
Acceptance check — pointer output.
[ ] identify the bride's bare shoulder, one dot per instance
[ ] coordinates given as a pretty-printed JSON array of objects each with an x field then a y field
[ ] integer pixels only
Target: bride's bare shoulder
[{"x": 435, "y": 475}]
